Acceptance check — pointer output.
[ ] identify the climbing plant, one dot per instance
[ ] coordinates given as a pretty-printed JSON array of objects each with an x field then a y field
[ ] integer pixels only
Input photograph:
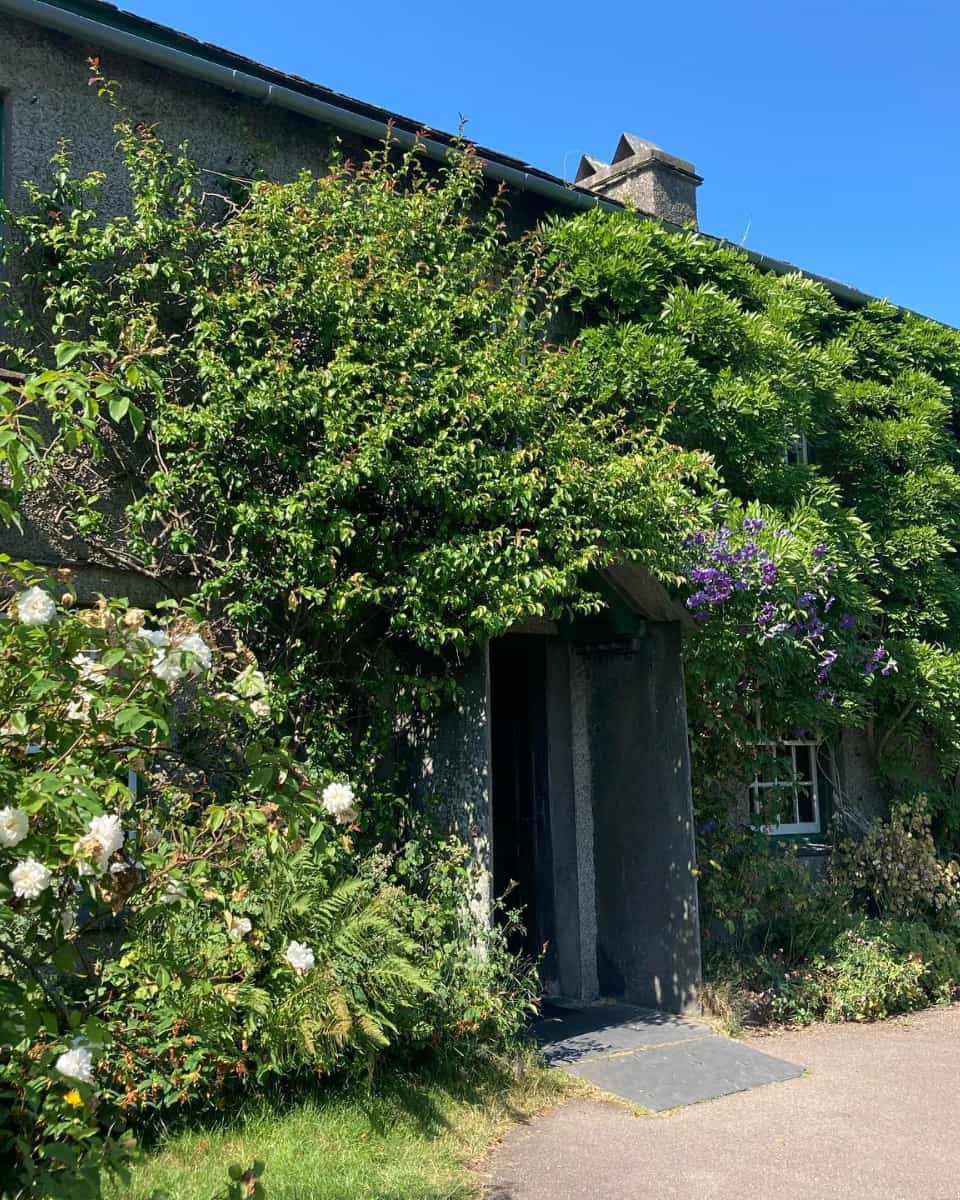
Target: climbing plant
[
  {"x": 833, "y": 430},
  {"x": 337, "y": 408}
]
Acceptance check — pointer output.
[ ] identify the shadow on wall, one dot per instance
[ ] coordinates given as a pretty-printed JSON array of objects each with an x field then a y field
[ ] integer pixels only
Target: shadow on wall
[{"x": 648, "y": 932}]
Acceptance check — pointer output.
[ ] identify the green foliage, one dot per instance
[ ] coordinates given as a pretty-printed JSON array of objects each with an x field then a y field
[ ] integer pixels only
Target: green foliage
[
  {"x": 870, "y": 979},
  {"x": 357, "y": 434},
  {"x": 696, "y": 343},
  {"x": 166, "y": 948},
  {"x": 481, "y": 994},
  {"x": 86, "y": 698},
  {"x": 874, "y": 968},
  {"x": 758, "y": 899}
]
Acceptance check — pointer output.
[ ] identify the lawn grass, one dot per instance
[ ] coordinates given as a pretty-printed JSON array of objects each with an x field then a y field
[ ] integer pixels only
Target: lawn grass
[{"x": 412, "y": 1137}]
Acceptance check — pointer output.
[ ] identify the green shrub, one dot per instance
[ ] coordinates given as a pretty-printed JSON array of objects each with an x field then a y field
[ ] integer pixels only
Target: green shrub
[
  {"x": 756, "y": 898},
  {"x": 937, "y": 950},
  {"x": 482, "y": 995},
  {"x": 166, "y": 946},
  {"x": 878, "y": 967},
  {"x": 869, "y": 978},
  {"x": 895, "y": 868}
]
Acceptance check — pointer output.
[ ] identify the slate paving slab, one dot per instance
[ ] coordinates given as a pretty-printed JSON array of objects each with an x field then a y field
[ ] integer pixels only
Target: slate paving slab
[{"x": 654, "y": 1059}]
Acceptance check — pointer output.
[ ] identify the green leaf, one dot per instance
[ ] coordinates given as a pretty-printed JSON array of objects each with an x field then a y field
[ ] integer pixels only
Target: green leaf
[{"x": 119, "y": 407}]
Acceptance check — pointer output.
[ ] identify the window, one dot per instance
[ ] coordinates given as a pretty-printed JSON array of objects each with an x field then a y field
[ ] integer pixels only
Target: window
[
  {"x": 797, "y": 451},
  {"x": 785, "y": 796}
]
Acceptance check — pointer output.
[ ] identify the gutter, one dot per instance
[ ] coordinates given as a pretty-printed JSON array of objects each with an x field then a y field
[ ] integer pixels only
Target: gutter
[{"x": 254, "y": 87}]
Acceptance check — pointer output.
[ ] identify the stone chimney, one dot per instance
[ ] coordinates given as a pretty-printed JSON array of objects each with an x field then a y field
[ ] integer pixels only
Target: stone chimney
[{"x": 644, "y": 175}]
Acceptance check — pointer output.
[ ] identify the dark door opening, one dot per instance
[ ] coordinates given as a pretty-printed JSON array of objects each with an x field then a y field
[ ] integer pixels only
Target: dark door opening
[{"x": 522, "y": 864}]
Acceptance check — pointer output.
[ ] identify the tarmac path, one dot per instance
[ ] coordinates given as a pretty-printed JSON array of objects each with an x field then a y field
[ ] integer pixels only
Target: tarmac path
[{"x": 875, "y": 1116}]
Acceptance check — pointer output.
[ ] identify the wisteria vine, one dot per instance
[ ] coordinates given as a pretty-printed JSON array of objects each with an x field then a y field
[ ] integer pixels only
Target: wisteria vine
[{"x": 719, "y": 570}]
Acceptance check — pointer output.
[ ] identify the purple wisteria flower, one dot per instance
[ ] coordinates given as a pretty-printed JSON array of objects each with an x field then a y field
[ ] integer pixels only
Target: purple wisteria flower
[
  {"x": 820, "y": 550},
  {"x": 752, "y": 524},
  {"x": 767, "y": 614},
  {"x": 825, "y": 665},
  {"x": 847, "y": 621},
  {"x": 873, "y": 662}
]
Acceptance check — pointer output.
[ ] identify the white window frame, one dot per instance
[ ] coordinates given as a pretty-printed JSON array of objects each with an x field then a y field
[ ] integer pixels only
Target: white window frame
[
  {"x": 790, "y": 789},
  {"x": 799, "y": 447}
]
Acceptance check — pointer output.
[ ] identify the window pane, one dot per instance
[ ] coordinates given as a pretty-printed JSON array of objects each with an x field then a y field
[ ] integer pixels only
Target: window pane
[
  {"x": 806, "y": 810},
  {"x": 806, "y": 763},
  {"x": 796, "y": 453}
]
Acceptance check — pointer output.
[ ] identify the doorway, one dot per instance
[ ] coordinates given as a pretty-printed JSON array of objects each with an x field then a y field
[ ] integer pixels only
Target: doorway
[{"x": 522, "y": 859}]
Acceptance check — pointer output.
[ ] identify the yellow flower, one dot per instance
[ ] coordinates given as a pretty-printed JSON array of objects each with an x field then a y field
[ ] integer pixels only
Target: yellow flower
[{"x": 74, "y": 1099}]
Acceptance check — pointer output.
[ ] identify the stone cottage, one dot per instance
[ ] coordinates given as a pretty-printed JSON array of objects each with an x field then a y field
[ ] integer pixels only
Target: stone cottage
[{"x": 567, "y": 766}]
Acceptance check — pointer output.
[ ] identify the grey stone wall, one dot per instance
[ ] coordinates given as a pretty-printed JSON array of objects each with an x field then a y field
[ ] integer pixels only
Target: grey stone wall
[
  {"x": 44, "y": 86},
  {"x": 858, "y": 797}
]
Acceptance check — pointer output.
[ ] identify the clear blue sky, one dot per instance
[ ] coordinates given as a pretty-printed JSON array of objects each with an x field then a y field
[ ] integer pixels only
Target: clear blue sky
[{"x": 826, "y": 132}]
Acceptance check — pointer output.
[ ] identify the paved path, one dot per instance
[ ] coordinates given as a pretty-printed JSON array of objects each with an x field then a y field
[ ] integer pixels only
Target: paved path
[
  {"x": 876, "y": 1117},
  {"x": 652, "y": 1058}
]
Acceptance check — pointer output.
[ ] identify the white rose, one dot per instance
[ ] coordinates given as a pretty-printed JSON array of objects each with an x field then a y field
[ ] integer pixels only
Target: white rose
[
  {"x": 29, "y": 878},
  {"x": 202, "y": 655},
  {"x": 237, "y": 927},
  {"x": 168, "y": 666},
  {"x": 35, "y": 606},
  {"x": 338, "y": 800},
  {"x": 157, "y": 638},
  {"x": 108, "y": 832},
  {"x": 14, "y": 827},
  {"x": 300, "y": 957},
  {"x": 103, "y": 839},
  {"x": 76, "y": 1063}
]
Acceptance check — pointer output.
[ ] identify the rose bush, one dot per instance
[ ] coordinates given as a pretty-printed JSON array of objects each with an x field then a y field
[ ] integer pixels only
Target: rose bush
[{"x": 184, "y": 910}]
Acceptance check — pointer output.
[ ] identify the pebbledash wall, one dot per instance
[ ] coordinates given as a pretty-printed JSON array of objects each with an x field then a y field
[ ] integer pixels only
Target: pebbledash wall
[{"x": 46, "y": 95}]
